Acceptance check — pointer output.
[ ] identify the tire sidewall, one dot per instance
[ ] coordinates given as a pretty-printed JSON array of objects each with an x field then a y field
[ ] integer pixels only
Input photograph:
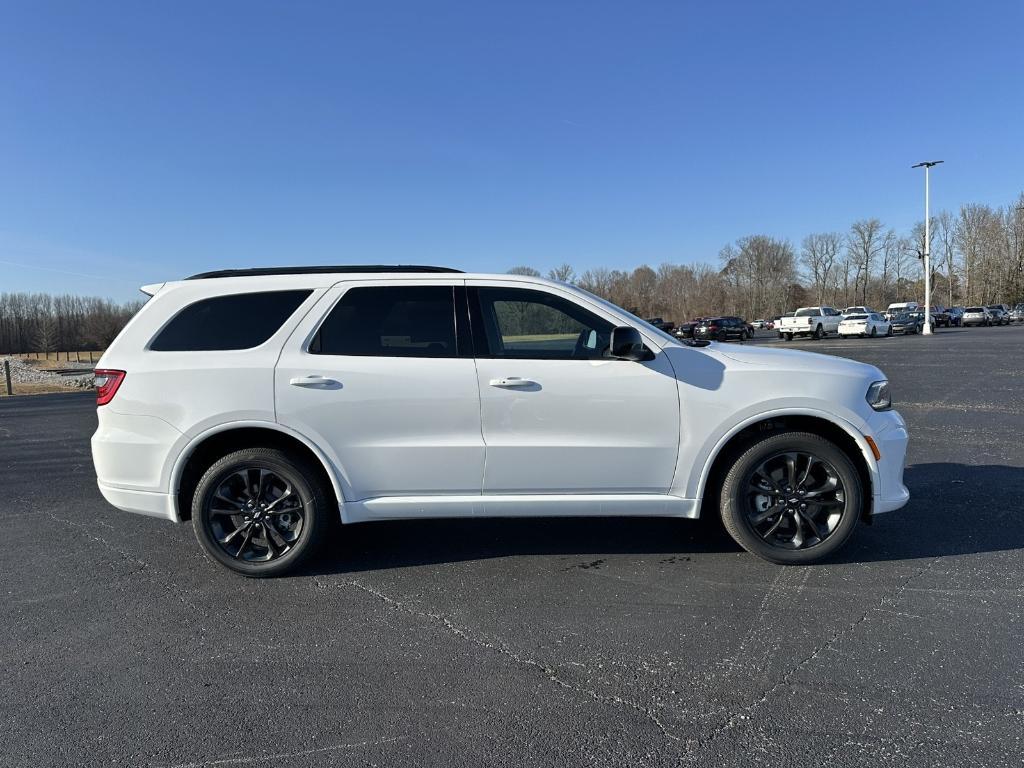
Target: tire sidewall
[
  {"x": 303, "y": 481},
  {"x": 734, "y": 515}
]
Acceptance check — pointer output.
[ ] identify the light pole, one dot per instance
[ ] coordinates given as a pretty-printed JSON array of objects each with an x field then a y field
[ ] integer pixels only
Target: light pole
[{"x": 927, "y": 165}]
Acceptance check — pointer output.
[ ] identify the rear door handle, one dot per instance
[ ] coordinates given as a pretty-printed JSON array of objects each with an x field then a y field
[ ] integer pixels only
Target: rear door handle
[
  {"x": 512, "y": 381},
  {"x": 313, "y": 381}
]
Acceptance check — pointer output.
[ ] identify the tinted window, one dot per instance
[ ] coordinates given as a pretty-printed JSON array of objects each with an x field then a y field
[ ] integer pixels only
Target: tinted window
[
  {"x": 390, "y": 321},
  {"x": 529, "y": 324},
  {"x": 237, "y": 321}
]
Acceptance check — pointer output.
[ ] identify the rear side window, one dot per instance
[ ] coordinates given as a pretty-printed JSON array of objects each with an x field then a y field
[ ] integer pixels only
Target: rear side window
[
  {"x": 236, "y": 321},
  {"x": 390, "y": 321}
]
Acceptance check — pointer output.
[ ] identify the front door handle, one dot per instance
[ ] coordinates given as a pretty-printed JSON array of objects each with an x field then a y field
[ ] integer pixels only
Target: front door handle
[
  {"x": 313, "y": 381},
  {"x": 512, "y": 381}
]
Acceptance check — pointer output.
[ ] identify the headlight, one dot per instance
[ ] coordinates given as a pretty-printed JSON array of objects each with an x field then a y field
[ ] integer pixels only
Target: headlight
[{"x": 878, "y": 396}]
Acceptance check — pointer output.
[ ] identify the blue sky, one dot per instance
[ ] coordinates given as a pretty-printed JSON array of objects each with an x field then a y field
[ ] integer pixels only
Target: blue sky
[{"x": 146, "y": 141}]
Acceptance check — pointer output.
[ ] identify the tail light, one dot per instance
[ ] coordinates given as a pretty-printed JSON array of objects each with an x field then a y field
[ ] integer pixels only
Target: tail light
[
  {"x": 810, "y": 320},
  {"x": 107, "y": 382},
  {"x": 712, "y": 327}
]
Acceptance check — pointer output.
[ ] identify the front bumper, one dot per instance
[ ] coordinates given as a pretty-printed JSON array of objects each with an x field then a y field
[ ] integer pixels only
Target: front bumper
[{"x": 889, "y": 432}]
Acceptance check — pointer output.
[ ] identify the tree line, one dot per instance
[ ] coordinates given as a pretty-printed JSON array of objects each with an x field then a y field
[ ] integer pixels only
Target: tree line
[
  {"x": 41, "y": 322},
  {"x": 977, "y": 257}
]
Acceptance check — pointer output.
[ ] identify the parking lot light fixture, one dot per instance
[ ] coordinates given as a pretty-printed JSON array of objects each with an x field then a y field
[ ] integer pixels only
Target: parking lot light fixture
[{"x": 927, "y": 330}]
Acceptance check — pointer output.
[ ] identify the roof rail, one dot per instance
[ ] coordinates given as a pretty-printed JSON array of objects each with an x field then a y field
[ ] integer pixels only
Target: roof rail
[{"x": 318, "y": 270}]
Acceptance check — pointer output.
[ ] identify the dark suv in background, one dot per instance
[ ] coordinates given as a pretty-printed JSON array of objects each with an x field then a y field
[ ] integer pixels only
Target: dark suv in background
[{"x": 723, "y": 329}]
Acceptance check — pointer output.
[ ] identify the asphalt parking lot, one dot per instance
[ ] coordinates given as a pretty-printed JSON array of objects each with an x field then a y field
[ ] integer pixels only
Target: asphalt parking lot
[{"x": 546, "y": 642}]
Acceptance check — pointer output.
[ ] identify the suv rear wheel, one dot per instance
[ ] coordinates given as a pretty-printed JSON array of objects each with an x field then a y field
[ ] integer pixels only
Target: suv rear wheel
[
  {"x": 260, "y": 511},
  {"x": 792, "y": 498}
]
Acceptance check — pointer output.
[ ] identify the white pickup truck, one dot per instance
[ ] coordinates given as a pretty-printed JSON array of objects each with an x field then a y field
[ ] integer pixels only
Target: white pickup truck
[{"x": 810, "y": 321}]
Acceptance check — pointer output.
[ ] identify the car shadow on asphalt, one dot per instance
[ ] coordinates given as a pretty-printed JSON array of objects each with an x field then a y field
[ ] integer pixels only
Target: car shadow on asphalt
[{"x": 955, "y": 509}]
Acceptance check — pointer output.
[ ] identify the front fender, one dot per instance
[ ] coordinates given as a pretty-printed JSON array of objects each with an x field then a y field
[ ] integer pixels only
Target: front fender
[{"x": 703, "y": 458}]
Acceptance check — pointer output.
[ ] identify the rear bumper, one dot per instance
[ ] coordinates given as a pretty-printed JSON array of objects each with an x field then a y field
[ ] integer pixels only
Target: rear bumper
[{"x": 141, "y": 502}]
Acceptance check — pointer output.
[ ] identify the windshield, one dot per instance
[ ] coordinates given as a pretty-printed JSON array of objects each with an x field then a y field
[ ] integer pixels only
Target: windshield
[
  {"x": 807, "y": 312},
  {"x": 857, "y": 317},
  {"x": 902, "y": 317},
  {"x": 974, "y": 310}
]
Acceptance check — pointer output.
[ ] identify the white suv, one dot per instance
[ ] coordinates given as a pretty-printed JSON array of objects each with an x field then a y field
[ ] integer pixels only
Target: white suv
[{"x": 266, "y": 404}]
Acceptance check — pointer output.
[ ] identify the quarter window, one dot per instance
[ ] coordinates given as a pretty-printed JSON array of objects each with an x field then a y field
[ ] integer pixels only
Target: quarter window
[
  {"x": 528, "y": 324},
  {"x": 390, "y": 321},
  {"x": 235, "y": 321}
]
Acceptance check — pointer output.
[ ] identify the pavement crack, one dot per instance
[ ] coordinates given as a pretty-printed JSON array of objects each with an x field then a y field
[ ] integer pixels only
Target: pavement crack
[
  {"x": 549, "y": 672},
  {"x": 250, "y": 759},
  {"x": 85, "y": 532},
  {"x": 746, "y": 712}
]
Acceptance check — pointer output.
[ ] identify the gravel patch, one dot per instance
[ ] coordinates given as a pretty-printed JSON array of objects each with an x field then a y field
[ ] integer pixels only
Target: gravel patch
[{"x": 24, "y": 373}]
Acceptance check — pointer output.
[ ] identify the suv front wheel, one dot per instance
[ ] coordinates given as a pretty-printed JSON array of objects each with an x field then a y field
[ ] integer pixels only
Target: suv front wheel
[
  {"x": 260, "y": 511},
  {"x": 792, "y": 498}
]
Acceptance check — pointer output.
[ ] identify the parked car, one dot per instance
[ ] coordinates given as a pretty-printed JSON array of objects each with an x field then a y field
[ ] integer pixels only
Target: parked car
[
  {"x": 857, "y": 311},
  {"x": 871, "y": 324},
  {"x": 685, "y": 330},
  {"x": 999, "y": 314},
  {"x": 759, "y": 324},
  {"x": 976, "y": 316},
  {"x": 919, "y": 315},
  {"x": 907, "y": 323},
  {"x": 662, "y": 325},
  {"x": 1017, "y": 313},
  {"x": 816, "y": 322},
  {"x": 265, "y": 404},
  {"x": 900, "y": 306},
  {"x": 956, "y": 316},
  {"x": 723, "y": 329},
  {"x": 940, "y": 317}
]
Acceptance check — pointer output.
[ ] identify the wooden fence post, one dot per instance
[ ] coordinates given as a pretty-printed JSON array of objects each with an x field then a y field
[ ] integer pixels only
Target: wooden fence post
[{"x": 7, "y": 376}]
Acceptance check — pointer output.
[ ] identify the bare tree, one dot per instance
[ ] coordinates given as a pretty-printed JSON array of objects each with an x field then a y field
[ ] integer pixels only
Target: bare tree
[
  {"x": 563, "y": 273},
  {"x": 818, "y": 254},
  {"x": 527, "y": 271},
  {"x": 864, "y": 243}
]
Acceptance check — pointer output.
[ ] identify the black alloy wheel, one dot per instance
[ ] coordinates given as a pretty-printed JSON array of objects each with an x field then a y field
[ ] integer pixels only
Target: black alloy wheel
[
  {"x": 260, "y": 512},
  {"x": 819, "y": 334},
  {"x": 792, "y": 498}
]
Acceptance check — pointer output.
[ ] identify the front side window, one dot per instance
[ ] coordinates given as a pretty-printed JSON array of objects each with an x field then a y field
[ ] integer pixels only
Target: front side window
[
  {"x": 528, "y": 324},
  {"x": 235, "y": 321},
  {"x": 390, "y": 321}
]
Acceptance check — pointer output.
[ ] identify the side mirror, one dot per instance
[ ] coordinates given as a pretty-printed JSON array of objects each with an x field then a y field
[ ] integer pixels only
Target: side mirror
[{"x": 627, "y": 344}]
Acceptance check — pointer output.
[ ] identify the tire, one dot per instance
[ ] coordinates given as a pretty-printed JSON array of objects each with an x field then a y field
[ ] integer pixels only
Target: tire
[
  {"x": 738, "y": 508},
  {"x": 874, "y": 331},
  {"x": 889, "y": 332},
  {"x": 722, "y": 336},
  {"x": 289, "y": 537},
  {"x": 789, "y": 336},
  {"x": 819, "y": 333}
]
